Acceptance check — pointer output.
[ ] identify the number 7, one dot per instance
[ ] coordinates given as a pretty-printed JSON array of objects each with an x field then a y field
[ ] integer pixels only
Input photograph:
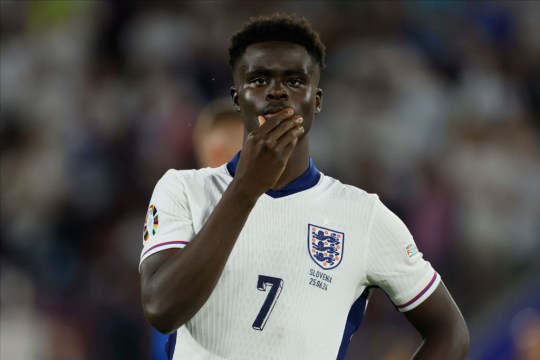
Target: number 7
[{"x": 276, "y": 286}]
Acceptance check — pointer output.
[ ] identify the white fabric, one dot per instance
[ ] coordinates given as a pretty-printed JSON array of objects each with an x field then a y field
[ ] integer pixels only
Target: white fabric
[{"x": 308, "y": 318}]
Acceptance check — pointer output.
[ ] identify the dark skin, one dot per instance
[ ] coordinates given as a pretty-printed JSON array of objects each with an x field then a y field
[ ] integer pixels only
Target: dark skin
[{"x": 276, "y": 90}]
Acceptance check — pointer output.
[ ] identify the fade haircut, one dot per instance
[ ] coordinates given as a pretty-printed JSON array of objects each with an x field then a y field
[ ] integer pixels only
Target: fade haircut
[{"x": 277, "y": 27}]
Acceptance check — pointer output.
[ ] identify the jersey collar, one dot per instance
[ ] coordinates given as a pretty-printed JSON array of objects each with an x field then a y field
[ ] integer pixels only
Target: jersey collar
[{"x": 307, "y": 180}]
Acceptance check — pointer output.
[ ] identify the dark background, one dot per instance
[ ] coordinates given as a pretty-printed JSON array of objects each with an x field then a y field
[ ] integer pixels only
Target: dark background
[{"x": 434, "y": 105}]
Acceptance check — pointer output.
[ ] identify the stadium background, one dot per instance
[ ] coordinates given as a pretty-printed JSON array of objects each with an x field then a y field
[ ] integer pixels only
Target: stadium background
[{"x": 434, "y": 105}]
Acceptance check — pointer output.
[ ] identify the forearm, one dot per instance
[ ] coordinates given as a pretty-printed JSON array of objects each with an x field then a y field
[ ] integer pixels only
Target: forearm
[{"x": 178, "y": 287}]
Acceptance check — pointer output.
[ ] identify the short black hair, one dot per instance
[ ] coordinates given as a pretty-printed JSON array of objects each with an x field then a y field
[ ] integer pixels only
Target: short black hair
[{"x": 277, "y": 27}]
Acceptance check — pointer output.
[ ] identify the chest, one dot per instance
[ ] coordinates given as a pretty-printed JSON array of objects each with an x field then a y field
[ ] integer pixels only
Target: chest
[{"x": 312, "y": 243}]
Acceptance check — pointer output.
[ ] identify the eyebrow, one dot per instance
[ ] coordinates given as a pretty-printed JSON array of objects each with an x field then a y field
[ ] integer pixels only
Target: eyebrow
[
  {"x": 268, "y": 72},
  {"x": 258, "y": 71}
]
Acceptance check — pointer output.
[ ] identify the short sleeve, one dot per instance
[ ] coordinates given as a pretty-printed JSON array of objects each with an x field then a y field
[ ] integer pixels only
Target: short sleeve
[
  {"x": 168, "y": 223},
  {"x": 395, "y": 264}
]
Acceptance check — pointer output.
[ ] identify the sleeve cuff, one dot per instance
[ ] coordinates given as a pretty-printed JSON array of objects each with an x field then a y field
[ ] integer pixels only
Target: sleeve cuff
[
  {"x": 146, "y": 252},
  {"x": 421, "y": 295}
]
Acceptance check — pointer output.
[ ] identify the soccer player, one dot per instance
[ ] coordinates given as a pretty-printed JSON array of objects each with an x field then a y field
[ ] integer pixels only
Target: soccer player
[{"x": 265, "y": 257}]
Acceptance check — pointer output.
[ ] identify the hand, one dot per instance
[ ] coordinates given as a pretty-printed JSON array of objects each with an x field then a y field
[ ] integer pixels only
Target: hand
[{"x": 267, "y": 151}]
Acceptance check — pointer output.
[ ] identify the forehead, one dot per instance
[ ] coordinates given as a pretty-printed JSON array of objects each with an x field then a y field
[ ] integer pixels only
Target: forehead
[{"x": 276, "y": 55}]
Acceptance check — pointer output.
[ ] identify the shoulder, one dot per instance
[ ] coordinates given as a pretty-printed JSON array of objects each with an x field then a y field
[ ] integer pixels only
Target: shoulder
[
  {"x": 346, "y": 192},
  {"x": 193, "y": 176},
  {"x": 181, "y": 185}
]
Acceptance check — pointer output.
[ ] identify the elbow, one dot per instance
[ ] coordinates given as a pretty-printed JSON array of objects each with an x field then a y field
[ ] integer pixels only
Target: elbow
[
  {"x": 162, "y": 320},
  {"x": 161, "y": 313}
]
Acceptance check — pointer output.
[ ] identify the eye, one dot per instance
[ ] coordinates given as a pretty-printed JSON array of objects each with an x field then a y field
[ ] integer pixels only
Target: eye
[
  {"x": 258, "y": 81},
  {"x": 295, "y": 82}
]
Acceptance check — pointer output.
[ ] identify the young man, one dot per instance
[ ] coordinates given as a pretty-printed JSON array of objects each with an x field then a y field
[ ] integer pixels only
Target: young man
[{"x": 267, "y": 258}]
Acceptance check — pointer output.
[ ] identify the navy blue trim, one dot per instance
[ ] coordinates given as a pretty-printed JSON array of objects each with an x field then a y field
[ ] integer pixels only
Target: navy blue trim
[
  {"x": 159, "y": 341},
  {"x": 354, "y": 319},
  {"x": 170, "y": 345},
  {"x": 307, "y": 180},
  {"x": 231, "y": 165}
]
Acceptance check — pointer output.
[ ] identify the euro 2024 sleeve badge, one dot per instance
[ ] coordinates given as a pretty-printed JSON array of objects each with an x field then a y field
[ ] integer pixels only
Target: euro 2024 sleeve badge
[
  {"x": 150, "y": 223},
  {"x": 325, "y": 246}
]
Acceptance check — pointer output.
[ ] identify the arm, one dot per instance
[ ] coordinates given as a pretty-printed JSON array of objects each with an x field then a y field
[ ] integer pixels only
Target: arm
[
  {"x": 443, "y": 329},
  {"x": 415, "y": 288},
  {"x": 176, "y": 283}
]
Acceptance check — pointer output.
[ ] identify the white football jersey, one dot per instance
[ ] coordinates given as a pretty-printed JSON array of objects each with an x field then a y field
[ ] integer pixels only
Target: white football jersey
[{"x": 298, "y": 279}]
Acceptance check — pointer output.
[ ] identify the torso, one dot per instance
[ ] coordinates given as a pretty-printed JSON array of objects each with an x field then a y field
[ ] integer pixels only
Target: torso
[{"x": 279, "y": 246}]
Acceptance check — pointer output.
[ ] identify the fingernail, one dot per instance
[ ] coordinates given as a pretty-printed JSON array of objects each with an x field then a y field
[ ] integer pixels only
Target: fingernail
[
  {"x": 262, "y": 120},
  {"x": 290, "y": 111},
  {"x": 299, "y": 120}
]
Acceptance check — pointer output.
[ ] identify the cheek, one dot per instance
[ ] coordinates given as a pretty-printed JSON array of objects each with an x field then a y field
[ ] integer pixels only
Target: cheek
[
  {"x": 248, "y": 103},
  {"x": 248, "y": 99},
  {"x": 309, "y": 102},
  {"x": 248, "y": 92}
]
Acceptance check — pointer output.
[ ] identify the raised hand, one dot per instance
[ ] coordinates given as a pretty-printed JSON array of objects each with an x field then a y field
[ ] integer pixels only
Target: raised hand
[{"x": 267, "y": 150}]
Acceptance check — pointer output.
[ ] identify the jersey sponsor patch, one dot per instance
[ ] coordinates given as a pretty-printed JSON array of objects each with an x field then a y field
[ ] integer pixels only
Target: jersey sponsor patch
[
  {"x": 325, "y": 246},
  {"x": 411, "y": 250},
  {"x": 150, "y": 223}
]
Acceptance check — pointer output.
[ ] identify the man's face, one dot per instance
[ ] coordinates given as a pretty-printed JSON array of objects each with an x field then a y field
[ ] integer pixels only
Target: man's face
[{"x": 274, "y": 75}]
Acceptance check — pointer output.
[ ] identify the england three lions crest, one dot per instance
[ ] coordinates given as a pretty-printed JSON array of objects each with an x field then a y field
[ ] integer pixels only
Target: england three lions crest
[{"x": 325, "y": 246}]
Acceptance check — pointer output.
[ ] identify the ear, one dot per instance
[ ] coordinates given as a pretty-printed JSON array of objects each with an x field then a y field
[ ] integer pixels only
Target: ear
[
  {"x": 318, "y": 101},
  {"x": 234, "y": 97}
]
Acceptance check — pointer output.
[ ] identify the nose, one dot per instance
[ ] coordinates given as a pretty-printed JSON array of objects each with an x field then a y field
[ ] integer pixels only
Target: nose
[{"x": 277, "y": 92}]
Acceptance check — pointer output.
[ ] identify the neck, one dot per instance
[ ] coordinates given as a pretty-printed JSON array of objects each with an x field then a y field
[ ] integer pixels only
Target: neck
[{"x": 297, "y": 165}]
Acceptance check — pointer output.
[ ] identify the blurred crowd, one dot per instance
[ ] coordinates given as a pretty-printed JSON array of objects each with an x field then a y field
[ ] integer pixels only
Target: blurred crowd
[{"x": 435, "y": 106}]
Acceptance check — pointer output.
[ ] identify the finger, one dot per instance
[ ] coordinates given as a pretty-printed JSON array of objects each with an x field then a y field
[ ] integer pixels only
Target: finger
[
  {"x": 290, "y": 137},
  {"x": 283, "y": 114},
  {"x": 262, "y": 120},
  {"x": 285, "y": 126},
  {"x": 273, "y": 120}
]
